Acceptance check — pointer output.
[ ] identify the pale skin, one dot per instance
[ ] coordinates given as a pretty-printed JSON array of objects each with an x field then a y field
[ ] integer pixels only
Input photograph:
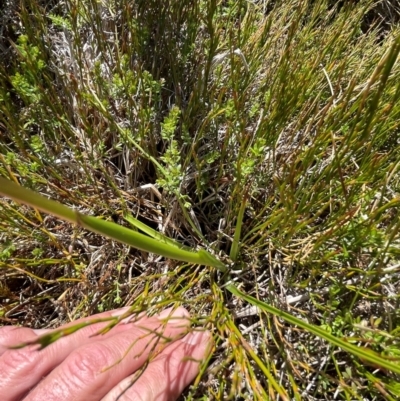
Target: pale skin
[{"x": 102, "y": 367}]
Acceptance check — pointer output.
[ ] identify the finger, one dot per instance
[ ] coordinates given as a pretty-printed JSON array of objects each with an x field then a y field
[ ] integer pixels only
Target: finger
[
  {"x": 22, "y": 369},
  {"x": 11, "y": 335},
  {"x": 168, "y": 374},
  {"x": 92, "y": 370},
  {"x": 102, "y": 315}
]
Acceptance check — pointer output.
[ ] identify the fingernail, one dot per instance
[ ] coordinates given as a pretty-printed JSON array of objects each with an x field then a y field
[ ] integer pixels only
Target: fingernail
[{"x": 195, "y": 337}]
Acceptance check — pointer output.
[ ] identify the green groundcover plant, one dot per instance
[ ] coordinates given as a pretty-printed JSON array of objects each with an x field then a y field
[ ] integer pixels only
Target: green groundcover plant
[{"x": 239, "y": 158}]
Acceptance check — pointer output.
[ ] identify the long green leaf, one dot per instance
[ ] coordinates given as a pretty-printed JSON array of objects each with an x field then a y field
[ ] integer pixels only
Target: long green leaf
[
  {"x": 361, "y": 352},
  {"x": 108, "y": 229},
  {"x": 146, "y": 243}
]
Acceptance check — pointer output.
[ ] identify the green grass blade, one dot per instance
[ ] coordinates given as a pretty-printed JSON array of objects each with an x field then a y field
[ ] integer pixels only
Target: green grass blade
[
  {"x": 281, "y": 391},
  {"x": 238, "y": 230},
  {"x": 31, "y": 198},
  {"x": 146, "y": 243},
  {"x": 106, "y": 228},
  {"x": 211, "y": 260},
  {"x": 361, "y": 352},
  {"x": 153, "y": 233}
]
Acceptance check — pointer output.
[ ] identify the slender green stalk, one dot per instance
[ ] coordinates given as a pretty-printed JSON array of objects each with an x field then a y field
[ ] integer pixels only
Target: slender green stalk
[
  {"x": 31, "y": 198},
  {"x": 361, "y": 352},
  {"x": 106, "y": 228},
  {"x": 238, "y": 231}
]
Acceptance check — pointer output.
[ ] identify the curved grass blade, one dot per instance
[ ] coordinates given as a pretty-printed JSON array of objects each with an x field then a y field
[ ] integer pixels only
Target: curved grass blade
[{"x": 361, "y": 352}]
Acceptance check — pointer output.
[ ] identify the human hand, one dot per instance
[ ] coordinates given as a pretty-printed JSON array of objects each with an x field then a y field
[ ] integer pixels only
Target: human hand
[{"x": 93, "y": 368}]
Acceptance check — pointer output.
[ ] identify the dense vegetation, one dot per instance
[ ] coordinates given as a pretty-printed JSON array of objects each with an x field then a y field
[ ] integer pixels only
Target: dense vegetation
[{"x": 266, "y": 132}]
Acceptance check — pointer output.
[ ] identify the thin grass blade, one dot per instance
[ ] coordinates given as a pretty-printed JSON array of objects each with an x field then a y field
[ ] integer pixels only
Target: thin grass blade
[{"x": 361, "y": 352}]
